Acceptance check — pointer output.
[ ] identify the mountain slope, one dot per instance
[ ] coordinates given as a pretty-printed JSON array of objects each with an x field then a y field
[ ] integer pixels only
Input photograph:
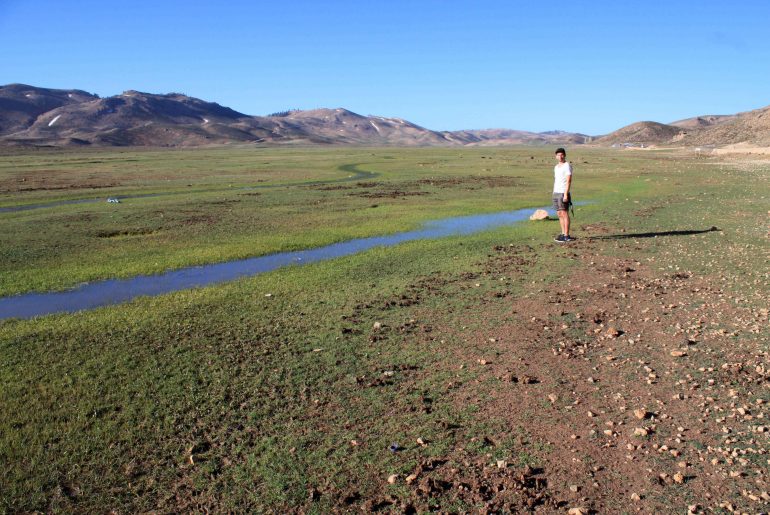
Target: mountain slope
[
  {"x": 641, "y": 133},
  {"x": 752, "y": 127},
  {"x": 21, "y": 105}
]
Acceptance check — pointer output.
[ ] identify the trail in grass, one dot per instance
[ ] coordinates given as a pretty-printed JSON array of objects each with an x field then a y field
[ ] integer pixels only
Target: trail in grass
[{"x": 356, "y": 175}]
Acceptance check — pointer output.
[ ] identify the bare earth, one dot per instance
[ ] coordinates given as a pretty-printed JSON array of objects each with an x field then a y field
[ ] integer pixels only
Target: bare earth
[{"x": 647, "y": 390}]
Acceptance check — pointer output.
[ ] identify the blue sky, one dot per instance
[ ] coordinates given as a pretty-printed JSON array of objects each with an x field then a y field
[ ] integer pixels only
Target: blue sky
[{"x": 589, "y": 67}]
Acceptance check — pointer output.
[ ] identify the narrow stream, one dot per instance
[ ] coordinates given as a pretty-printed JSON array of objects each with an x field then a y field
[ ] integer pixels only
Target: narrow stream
[{"x": 115, "y": 291}]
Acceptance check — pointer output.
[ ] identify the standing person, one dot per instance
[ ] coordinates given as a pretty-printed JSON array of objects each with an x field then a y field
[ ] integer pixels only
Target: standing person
[{"x": 562, "y": 180}]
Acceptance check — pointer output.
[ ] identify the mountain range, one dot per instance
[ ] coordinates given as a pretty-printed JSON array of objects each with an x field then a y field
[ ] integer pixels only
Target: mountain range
[{"x": 54, "y": 117}]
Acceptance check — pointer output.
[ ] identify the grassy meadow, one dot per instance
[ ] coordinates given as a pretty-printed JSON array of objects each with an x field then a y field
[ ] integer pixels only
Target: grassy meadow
[{"x": 284, "y": 391}]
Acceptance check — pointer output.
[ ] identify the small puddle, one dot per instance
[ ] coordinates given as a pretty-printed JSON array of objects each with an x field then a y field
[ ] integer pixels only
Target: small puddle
[{"x": 115, "y": 291}]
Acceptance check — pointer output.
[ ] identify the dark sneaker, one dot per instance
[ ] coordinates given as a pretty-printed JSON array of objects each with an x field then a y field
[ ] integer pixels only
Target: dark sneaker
[
  {"x": 569, "y": 238},
  {"x": 560, "y": 238}
]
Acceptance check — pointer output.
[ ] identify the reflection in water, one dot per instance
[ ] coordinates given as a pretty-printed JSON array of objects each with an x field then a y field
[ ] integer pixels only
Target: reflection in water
[{"x": 115, "y": 291}]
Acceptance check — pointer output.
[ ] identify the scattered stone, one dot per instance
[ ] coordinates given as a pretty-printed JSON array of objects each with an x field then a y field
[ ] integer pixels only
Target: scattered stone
[
  {"x": 613, "y": 332},
  {"x": 501, "y": 464},
  {"x": 377, "y": 326},
  {"x": 679, "y": 478},
  {"x": 641, "y": 414},
  {"x": 528, "y": 380},
  {"x": 578, "y": 511},
  {"x": 421, "y": 442},
  {"x": 553, "y": 398},
  {"x": 641, "y": 431},
  {"x": 410, "y": 478},
  {"x": 574, "y": 488},
  {"x": 540, "y": 214},
  {"x": 392, "y": 478},
  {"x": 636, "y": 497},
  {"x": 678, "y": 353}
]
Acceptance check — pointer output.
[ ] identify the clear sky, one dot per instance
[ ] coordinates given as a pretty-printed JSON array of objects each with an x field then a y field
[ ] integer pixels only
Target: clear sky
[{"x": 581, "y": 66}]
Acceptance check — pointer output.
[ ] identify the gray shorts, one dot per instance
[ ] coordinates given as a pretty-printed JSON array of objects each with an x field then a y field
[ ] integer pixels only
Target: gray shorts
[{"x": 558, "y": 201}]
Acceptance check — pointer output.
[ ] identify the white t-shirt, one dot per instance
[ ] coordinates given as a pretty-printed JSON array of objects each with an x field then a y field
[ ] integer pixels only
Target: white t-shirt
[{"x": 560, "y": 173}]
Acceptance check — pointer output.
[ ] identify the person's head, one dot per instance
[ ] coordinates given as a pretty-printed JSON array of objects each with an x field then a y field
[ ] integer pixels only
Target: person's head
[{"x": 561, "y": 154}]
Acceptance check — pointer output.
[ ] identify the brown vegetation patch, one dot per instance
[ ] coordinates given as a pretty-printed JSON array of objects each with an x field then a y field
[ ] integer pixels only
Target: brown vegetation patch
[
  {"x": 143, "y": 231},
  {"x": 476, "y": 182}
]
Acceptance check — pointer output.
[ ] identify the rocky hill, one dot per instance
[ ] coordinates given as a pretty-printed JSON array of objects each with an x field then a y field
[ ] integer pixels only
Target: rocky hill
[
  {"x": 699, "y": 122},
  {"x": 750, "y": 127},
  {"x": 39, "y": 116},
  {"x": 21, "y": 105},
  {"x": 641, "y": 133}
]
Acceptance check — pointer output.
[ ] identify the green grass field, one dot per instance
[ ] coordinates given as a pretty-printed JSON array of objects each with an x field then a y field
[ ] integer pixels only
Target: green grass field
[{"x": 228, "y": 399}]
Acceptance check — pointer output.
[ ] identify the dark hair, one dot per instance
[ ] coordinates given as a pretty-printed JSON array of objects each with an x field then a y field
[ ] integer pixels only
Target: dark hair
[{"x": 561, "y": 150}]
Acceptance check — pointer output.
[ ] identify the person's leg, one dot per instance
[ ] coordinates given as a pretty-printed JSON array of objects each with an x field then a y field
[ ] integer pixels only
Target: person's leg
[
  {"x": 565, "y": 225},
  {"x": 561, "y": 214}
]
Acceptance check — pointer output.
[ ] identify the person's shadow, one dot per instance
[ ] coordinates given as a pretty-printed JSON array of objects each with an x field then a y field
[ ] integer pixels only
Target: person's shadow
[{"x": 653, "y": 234}]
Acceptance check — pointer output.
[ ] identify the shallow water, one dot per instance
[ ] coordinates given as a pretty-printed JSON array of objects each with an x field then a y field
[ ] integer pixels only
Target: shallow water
[{"x": 115, "y": 291}]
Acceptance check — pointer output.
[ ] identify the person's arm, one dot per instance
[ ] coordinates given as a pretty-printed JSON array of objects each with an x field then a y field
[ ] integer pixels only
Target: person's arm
[{"x": 569, "y": 183}]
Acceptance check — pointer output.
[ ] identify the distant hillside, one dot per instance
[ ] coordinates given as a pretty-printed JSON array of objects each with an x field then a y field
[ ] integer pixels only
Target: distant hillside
[
  {"x": 708, "y": 120},
  {"x": 21, "y": 105},
  {"x": 39, "y": 116},
  {"x": 750, "y": 127},
  {"x": 641, "y": 133},
  {"x": 491, "y": 137}
]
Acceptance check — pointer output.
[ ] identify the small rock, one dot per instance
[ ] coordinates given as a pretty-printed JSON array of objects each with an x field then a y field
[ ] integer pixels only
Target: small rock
[
  {"x": 553, "y": 398},
  {"x": 268, "y": 294},
  {"x": 678, "y": 353},
  {"x": 578, "y": 511},
  {"x": 501, "y": 464},
  {"x": 636, "y": 497},
  {"x": 574, "y": 488},
  {"x": 528, "y": 380},
  {"x": 377, "y": 326},
  {"x": 392, "y": 478},
  {"x": 421, "y": 442},
  {"x": 641, "y": 414},
  {"x": 482, "y": 362},
  {"x": 540, "y": 214},
  {"x": 612, "y": 332},
  {"x": 678, "y": 478},
  {"x": 641, "y": 431},
  {"x": 411, "y": 477}
]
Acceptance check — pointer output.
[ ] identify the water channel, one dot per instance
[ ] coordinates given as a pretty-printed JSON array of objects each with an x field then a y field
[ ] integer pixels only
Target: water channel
[{"x": 115, "y": 291}]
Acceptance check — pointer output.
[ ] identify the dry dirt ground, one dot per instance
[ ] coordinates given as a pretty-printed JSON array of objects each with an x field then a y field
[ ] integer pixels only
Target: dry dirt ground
[{"x": 644, "y": 389}]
